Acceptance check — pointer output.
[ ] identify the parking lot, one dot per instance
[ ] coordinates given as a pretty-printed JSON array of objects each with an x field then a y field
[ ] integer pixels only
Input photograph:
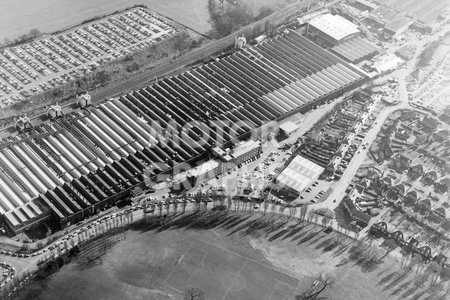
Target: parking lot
[{"x": 53, "y": 60}]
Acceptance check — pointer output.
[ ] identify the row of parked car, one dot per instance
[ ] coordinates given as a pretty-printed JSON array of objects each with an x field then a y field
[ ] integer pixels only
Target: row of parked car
[{"x": 99, "y": 41}]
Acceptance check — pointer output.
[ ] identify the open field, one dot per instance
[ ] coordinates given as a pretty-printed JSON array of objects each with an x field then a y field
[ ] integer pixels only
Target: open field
[
  {"x": 18, "y": 17},
  {"x": 230, "y": 256}
]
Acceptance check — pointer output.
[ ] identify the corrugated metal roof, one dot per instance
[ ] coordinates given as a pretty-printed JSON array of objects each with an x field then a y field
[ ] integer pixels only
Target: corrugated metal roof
[{"x": 335, "y": 26}]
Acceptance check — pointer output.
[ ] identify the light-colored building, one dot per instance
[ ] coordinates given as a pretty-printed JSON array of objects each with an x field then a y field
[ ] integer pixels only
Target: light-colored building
[
  {"x": 387, "y": 62},
  {"x": 333, "y": 29},
  {"x": 289, "y": 127},
  {"x": 299, "y": 174}
]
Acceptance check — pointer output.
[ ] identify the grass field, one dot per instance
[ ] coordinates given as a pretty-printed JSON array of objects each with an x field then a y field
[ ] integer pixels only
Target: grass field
[
  {"x": 233, "y": 257},
  {"x": 17, "y": 17}
]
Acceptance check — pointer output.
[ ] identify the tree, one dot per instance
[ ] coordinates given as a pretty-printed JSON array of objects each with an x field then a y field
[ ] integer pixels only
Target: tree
[
  {"x": 184, "y": 205},
  {"x": 182, "y": 41},
  {"x": 230, "y": 18},
  {"x": 229, "y": 201},
  {"x": 132, "y": 68},
  {"x": 102, "y": 77},
  {"x": 281, "y": 209},
  {"x": 34, "y": 32},
  {"x": 160, "y": 208},
  {"x": 175, "y": 206},
  {"x": 7, "y": 41},
  {"x": 303, "y": 212},
  {"x": 266, "y": 206},
  {"x": 292, "y": 211},
  {"x": 145, "y": 210},
  {"x": 272, "y": 208},
  {"x": 192, "y": 293},
  {"x": 264, "y": 12},
  {"x": 167, "y": 206}
]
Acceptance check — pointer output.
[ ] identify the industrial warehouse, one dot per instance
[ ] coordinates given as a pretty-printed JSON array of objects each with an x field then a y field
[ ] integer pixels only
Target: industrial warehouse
[
  {"x": 74, "y": 166},
  {"x": 225, "y": 149}
]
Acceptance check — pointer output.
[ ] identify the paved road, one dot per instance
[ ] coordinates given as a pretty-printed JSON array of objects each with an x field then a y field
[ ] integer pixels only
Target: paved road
[{"x": 401, "y": 74}]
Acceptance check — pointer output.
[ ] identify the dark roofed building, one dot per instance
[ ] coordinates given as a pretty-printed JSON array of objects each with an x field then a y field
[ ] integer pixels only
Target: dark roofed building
[
  {"x": 447, "y": 111},
  {"x": 440, "y": 212},
  {"x": 425, "y": 204},
  {"x": 412, "y": 195},
  {"x": 429, "y": 123},
  {"x": 444, "y": 118},
  {"x": 445, "y": 181},
  {"x": 441, "y": 258},
  {"x": 400, "y": 188},
  {"x": 356, "y": 50},
  {"x": 430, "y": 177},
  {"x": 361, "y": 218},
  {"x": 400, "y": 163},
  {"x": 442, "y": 186},
  {"x": 415, "y": 171}
]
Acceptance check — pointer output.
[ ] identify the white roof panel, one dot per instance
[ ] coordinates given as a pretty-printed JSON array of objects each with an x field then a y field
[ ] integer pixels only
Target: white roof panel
[
  {"x": 300, "y": 173},
  {"x": 335, "y": 26}
]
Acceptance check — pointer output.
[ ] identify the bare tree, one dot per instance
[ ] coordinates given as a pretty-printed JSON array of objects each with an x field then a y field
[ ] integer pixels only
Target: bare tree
[
  {"x": 229, "y": 200},
  {"x": 266, "y": 206},
  {"x": 292, "y": 211},
  {"x": 175, "y": 206},
  {"x": 281, "y": 209},
  {"x": 303, "y": 212},
  {"x": 273, "y": 208},
  {"x": 145, "y": 210},
  {"x": 192, "y": 293},
  {"x": 160, "y": 208},
  {"x": 183, "y": 206}
]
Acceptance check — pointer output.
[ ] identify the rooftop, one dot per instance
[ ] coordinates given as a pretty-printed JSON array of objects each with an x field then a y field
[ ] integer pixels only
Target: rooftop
[
  {"x": 289, "y": 127},
  {"x": 335, "y": 26},
  {"x": 197, "y": 171},
  {"x": 245, "y": 147},
  {"x": 300, "y": 173}
]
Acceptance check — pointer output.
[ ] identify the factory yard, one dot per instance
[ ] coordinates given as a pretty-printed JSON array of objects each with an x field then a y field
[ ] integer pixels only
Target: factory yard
[{"x": 53, "y": 60}]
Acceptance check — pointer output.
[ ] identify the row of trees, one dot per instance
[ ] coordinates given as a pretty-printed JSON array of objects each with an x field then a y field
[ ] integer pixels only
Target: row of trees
[
  {"x": 229, "y": 16},
  {"x": 32, "y": 34}
]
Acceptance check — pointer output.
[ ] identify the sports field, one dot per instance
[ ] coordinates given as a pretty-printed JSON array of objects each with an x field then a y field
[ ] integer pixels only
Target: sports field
[
  {"x": 234, "y": 257},
  {"x": 161, "y": 266}
]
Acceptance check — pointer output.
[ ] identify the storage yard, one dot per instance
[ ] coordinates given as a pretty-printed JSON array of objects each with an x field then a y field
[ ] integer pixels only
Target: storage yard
[{"x": 52, "y": 60}]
